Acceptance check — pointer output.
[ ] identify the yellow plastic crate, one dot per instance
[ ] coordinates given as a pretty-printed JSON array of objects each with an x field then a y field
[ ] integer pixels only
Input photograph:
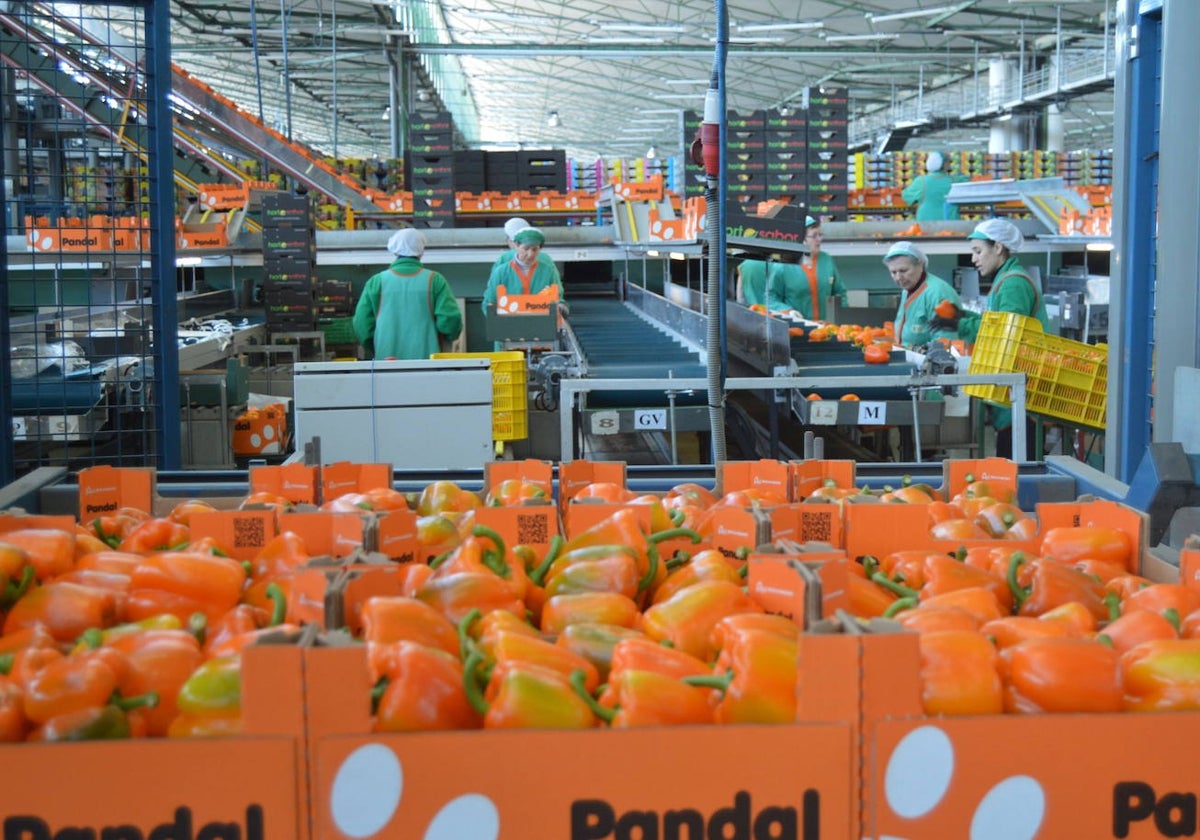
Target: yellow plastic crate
[
  {"x": 510, "y": 406},
  {"x": 1065, "y": 379}
]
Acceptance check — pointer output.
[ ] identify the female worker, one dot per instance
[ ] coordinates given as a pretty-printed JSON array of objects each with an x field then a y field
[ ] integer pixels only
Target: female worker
[
  {"x": 920, "y": 293},
  {"x": 928, "y": 192},
  {"x": 405, "y": 308},
  {"x": 994, "y": 244},
  {"x": 524, "y": 274},
  {"x": 752, "y": 279},
  {"x": 804, "y": 287}
]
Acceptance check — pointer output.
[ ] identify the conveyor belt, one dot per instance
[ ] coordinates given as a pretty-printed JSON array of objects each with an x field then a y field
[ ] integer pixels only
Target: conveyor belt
[
  {"x": 844, "y": 360},
  {"x": 618, "y": 344},
  {"x": 55, "y": 395}
]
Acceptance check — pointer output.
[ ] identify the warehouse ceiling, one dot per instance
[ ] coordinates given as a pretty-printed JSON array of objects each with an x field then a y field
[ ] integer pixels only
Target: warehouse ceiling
[{"x": 601, "y": 78}]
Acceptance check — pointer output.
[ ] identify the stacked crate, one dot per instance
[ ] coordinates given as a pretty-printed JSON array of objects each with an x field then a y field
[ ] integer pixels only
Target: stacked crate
[
  {"x": 470, "y": 171},
  {"x": 542, "y": 170},
  {"x": 335, "y": 315},
  {"x": 828, "y": 114},
  {"x": 501, "y": 172},
  {"x": 785, "y": 155},
  {"x": 289, "y": 262},
  {"x": 431, "y": 168},
  {"x": 745, "y": 162}
]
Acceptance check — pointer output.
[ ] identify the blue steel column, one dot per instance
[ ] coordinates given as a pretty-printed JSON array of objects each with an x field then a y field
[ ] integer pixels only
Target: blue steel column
[
  {"x": 1135, "y": 196},
  {"x": 6, "y": 441},
  {"x": 162, "y": 231},
  {"x": 1177, "y": 212}
]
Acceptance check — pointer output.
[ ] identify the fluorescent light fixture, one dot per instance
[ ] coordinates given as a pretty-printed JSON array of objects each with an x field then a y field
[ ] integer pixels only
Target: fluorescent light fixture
[
  {"x": 677, "y": 255},
  {"x": 874, "y": 36},
  {"x": 652, "y": 253},
  {"x": 1099, "y": 246},
  {"x": 623, "y": 39},
  {"x": 622, "y": 26},
  {"x": 780, "y": 26},
  {"x": 752, "y": 39},
  {"x": 674, "y": 96},
  {"x": 916, "y": 13},
  {"x": 554, "y": 121},
  {"x": 685, "y": 81}
]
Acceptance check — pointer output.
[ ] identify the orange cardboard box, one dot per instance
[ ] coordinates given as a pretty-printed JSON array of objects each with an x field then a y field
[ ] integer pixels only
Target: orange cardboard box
[
  {"x": 434, "y": 784},
  {"x": 252, "y": 787},
  {"x": 765, "y": 474},
  {"x": 296, "y": 482},
  {"x": 573, "y": 476},
  {"x": 342, "y": 477},
  {"x": 261, "y": 431}
]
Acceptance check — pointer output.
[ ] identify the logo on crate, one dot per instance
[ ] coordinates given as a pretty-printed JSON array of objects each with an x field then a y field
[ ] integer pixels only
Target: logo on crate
[
  {"x": 370, "y": 783},
  {"x": 918, "y": 777},
  {"x": 29, "y": 827}
]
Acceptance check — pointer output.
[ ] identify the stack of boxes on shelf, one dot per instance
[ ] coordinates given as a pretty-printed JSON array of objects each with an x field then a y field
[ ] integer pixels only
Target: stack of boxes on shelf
[
  {"x": 431, "y": 168},
  {"x": 289, "y": 262},
  {"x": 1093, "y": 167},
  {"x": 470, "y": 171},
  {"x": 828, "y": 112},
  {"x": 542, "y": 170},
  {"x": 501, "y": 172},
  {"x": 796, "y": 154},
  {"x": 745, "y": 150}
]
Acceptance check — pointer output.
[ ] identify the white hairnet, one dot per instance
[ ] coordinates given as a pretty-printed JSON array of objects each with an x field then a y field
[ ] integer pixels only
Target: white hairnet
[
  {"x": 934, "y": 161},
  {"x": 514, "y": 226},
  {"x": 904, "y": 248},
  {"x": 1001, "y": 232},
  {"x": 409, "y": 242}
]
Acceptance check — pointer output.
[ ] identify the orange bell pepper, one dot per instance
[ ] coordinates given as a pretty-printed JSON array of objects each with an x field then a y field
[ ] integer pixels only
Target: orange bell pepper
[
  {"x": 423, "y": 691},
  {"x": 121, "y": 562},
  {"x": 16, "y": 574},
  {"x": 386, "y": 620},
  {"x": 523, "y": 695},
  {"x": 512, "y": 492},
  {"x": 605, "y": 491},
  {"x": 614, "y": 572},
  {"x": 649, "y": 698},
  {"x": 756, "y": 672},
  {"x": 643, "y": 654},
  {"x": 1045, "y": 584},
  {"x": 596, "y": 642},
  {"x": 998, "y": 518},
  {"x": 959, "y": 674},
  {"x": 504, "y": 647},
  {"x": 445, "y": 496},
  {"x": 561, "y": 611},
  {"x": 690, "y": 493},
  {"x": 13, "y": 723},
  {"x": 70, "y": 684},
  {"x": 1133, "y": 628},
  {"x": 929, "y": 619},
  {"x": 182, "y": 512},
  {"x": 945, "y": 574},
  {"x": 979, "y": 601},
  {"x": 1088, "y": 542},
  {"x": 455, "y": 595},
  {"x": 1014, "y": 629},
  {"x": 116, "y": 526},
  {"x": 1162, "y": 675},
  {"x": 175, "y": 581},
  {"x": 1180, "y": 600},
  {"x": 686, "y": 620},
  {"x": 1060, "y": 675},
  {"x": 867, "y": 599},
  {"x": 49, "y": 551},
  {"x": 66, "y": 610},
  {"x": 732, "y": 624},
  {"x": 160, "y": 663},
  {"x": 709, "y": 564},
  {"x": 160, "y": 534}
]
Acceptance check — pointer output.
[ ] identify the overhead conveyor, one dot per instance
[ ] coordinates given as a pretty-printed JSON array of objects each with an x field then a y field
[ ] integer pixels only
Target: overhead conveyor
[{"x": 27, "y": 47}]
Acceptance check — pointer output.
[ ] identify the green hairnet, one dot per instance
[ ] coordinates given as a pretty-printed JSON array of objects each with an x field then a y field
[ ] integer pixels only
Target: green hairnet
[{"x": 529, "y": 236}]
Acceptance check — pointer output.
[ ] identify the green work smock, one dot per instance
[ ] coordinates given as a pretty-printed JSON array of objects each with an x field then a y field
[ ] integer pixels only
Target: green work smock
[
  {"x": 791, "y": 288},
  {"x": 755, "y": 276},
  {"x": 403, "y": 310},
  {"x": 1013, "y": 290},
  {"x": 508, "y": 275},
  {"x": 916, "y": 310},
  {"x": 928, "y": 193}
]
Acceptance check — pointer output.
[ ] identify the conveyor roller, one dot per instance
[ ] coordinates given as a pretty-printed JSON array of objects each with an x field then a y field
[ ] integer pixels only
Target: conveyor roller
[{"x": 618, "y": 344}]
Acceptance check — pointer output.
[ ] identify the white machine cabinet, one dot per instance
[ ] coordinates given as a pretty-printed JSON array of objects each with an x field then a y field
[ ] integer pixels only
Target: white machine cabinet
[{"x": 427, "y": 414}]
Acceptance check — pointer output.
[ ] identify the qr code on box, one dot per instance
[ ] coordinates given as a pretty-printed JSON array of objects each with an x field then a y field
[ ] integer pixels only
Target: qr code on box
[
  {"x": 532, "y": 529},
  {"x": 248, "y": 532},
  {"x": 816, "y": 526}
]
